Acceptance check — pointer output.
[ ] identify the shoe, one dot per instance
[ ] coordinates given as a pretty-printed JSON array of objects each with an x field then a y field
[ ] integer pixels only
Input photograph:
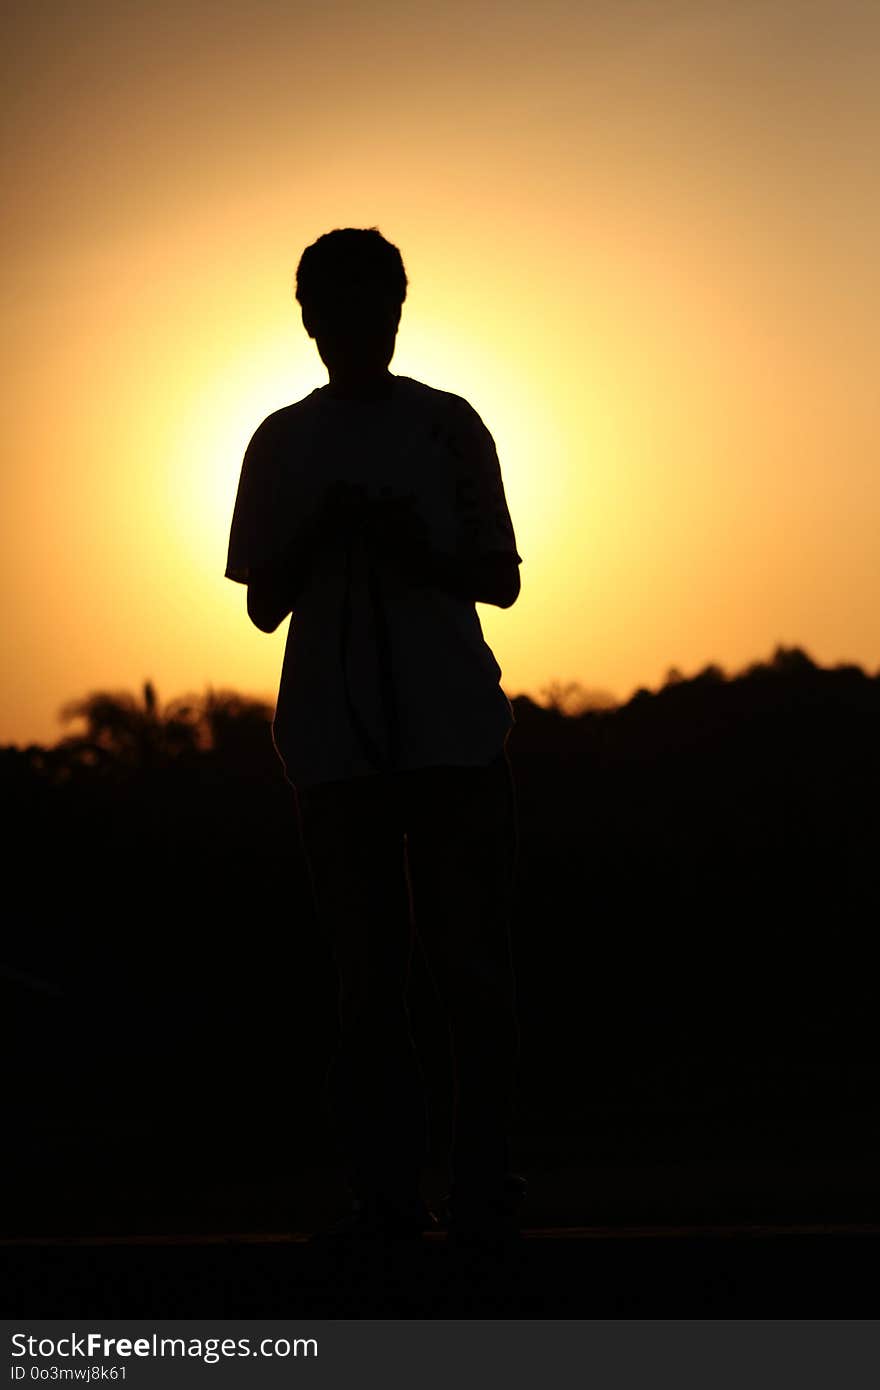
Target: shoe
[
  {"x": 486, "y": 1223},
  {"x": 377, "y": 1222}
]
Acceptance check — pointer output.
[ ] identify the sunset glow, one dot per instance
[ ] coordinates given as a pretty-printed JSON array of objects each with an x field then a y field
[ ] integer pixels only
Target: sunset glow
[{"x": 641, "y": 240}]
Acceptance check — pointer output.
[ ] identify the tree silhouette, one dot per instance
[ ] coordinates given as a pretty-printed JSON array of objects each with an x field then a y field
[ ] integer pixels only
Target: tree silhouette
[
  {"x": 572, "y": 698},
  {"x": 134, "y": 733},
  {"x": 227, "y": 720},
  {"x": 131, "y": 732}
]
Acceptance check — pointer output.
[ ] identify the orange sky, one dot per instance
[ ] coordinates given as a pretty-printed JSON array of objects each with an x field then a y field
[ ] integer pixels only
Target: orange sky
[{"x": 641, "y": 240}]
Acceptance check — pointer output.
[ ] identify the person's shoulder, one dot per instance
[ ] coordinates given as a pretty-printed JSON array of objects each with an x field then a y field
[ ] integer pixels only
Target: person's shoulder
[
  {"x": 280, "y": 429},
  {"x": 288, "y": 418},
  {"x": 447, "y": 403}
]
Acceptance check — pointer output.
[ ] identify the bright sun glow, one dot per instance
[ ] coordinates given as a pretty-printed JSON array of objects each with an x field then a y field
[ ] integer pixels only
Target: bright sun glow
[{"x": 210, "y": 437}]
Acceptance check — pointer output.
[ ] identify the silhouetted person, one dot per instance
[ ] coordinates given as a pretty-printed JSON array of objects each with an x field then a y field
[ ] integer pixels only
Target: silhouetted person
[{"x": 374, "y": 511}]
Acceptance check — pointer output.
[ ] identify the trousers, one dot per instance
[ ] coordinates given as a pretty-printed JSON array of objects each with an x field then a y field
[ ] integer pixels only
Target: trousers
[{"x": 427, "y": 854}]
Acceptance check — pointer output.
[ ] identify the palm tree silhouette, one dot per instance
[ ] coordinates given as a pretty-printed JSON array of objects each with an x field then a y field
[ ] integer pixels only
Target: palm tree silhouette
[
  {"x": 230, "y": 724},
  {"x": 132, "y": 732},
  {"x": 136, "y": 733}
]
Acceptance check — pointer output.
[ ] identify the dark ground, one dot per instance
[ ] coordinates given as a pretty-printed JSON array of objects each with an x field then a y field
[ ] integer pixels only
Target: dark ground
[
  {"x": 736, "y": 1238},
  {"x": 580, "y": 1273}
]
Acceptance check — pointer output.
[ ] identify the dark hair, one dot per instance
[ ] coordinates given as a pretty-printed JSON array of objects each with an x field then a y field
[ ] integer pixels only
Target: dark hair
[{"x": 345, "y": 258}]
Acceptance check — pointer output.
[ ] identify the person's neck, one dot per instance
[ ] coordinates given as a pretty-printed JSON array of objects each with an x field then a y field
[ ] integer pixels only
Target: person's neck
[{"x": 378, "y": 386}]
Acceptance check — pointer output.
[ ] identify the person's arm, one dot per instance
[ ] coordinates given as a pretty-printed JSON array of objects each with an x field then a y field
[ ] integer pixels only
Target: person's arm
[
  {"x": 488, "y": 578},
  {"x": 270, "y": 597},
  {"x": 400, "y": 538},
  {"x": 273, "y": 589},
  {"x": 255, "y": 534},
  {"x": 485, "y": 567}
]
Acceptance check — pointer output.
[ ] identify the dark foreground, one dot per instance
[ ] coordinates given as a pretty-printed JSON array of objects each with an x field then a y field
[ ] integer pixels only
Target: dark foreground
[
  {"x": 659, "y": 1272},
  {"x": 744, "y": 1237}
]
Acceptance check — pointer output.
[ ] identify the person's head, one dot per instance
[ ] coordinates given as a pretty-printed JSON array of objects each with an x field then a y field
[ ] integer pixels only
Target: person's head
[{"x": 351, "y": 284}]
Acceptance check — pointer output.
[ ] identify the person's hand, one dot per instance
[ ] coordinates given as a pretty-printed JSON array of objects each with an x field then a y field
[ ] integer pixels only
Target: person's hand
[{"x": 398, "y": 536}]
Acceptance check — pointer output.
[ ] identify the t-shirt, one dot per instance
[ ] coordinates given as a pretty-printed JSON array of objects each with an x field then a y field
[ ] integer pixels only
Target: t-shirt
[{"x": 378, "y": 674}]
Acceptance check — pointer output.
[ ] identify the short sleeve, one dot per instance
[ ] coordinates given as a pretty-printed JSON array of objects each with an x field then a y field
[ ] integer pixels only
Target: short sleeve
[
  {"x": 482, "y": 515},
  {"x": 256, "y": 537}
]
